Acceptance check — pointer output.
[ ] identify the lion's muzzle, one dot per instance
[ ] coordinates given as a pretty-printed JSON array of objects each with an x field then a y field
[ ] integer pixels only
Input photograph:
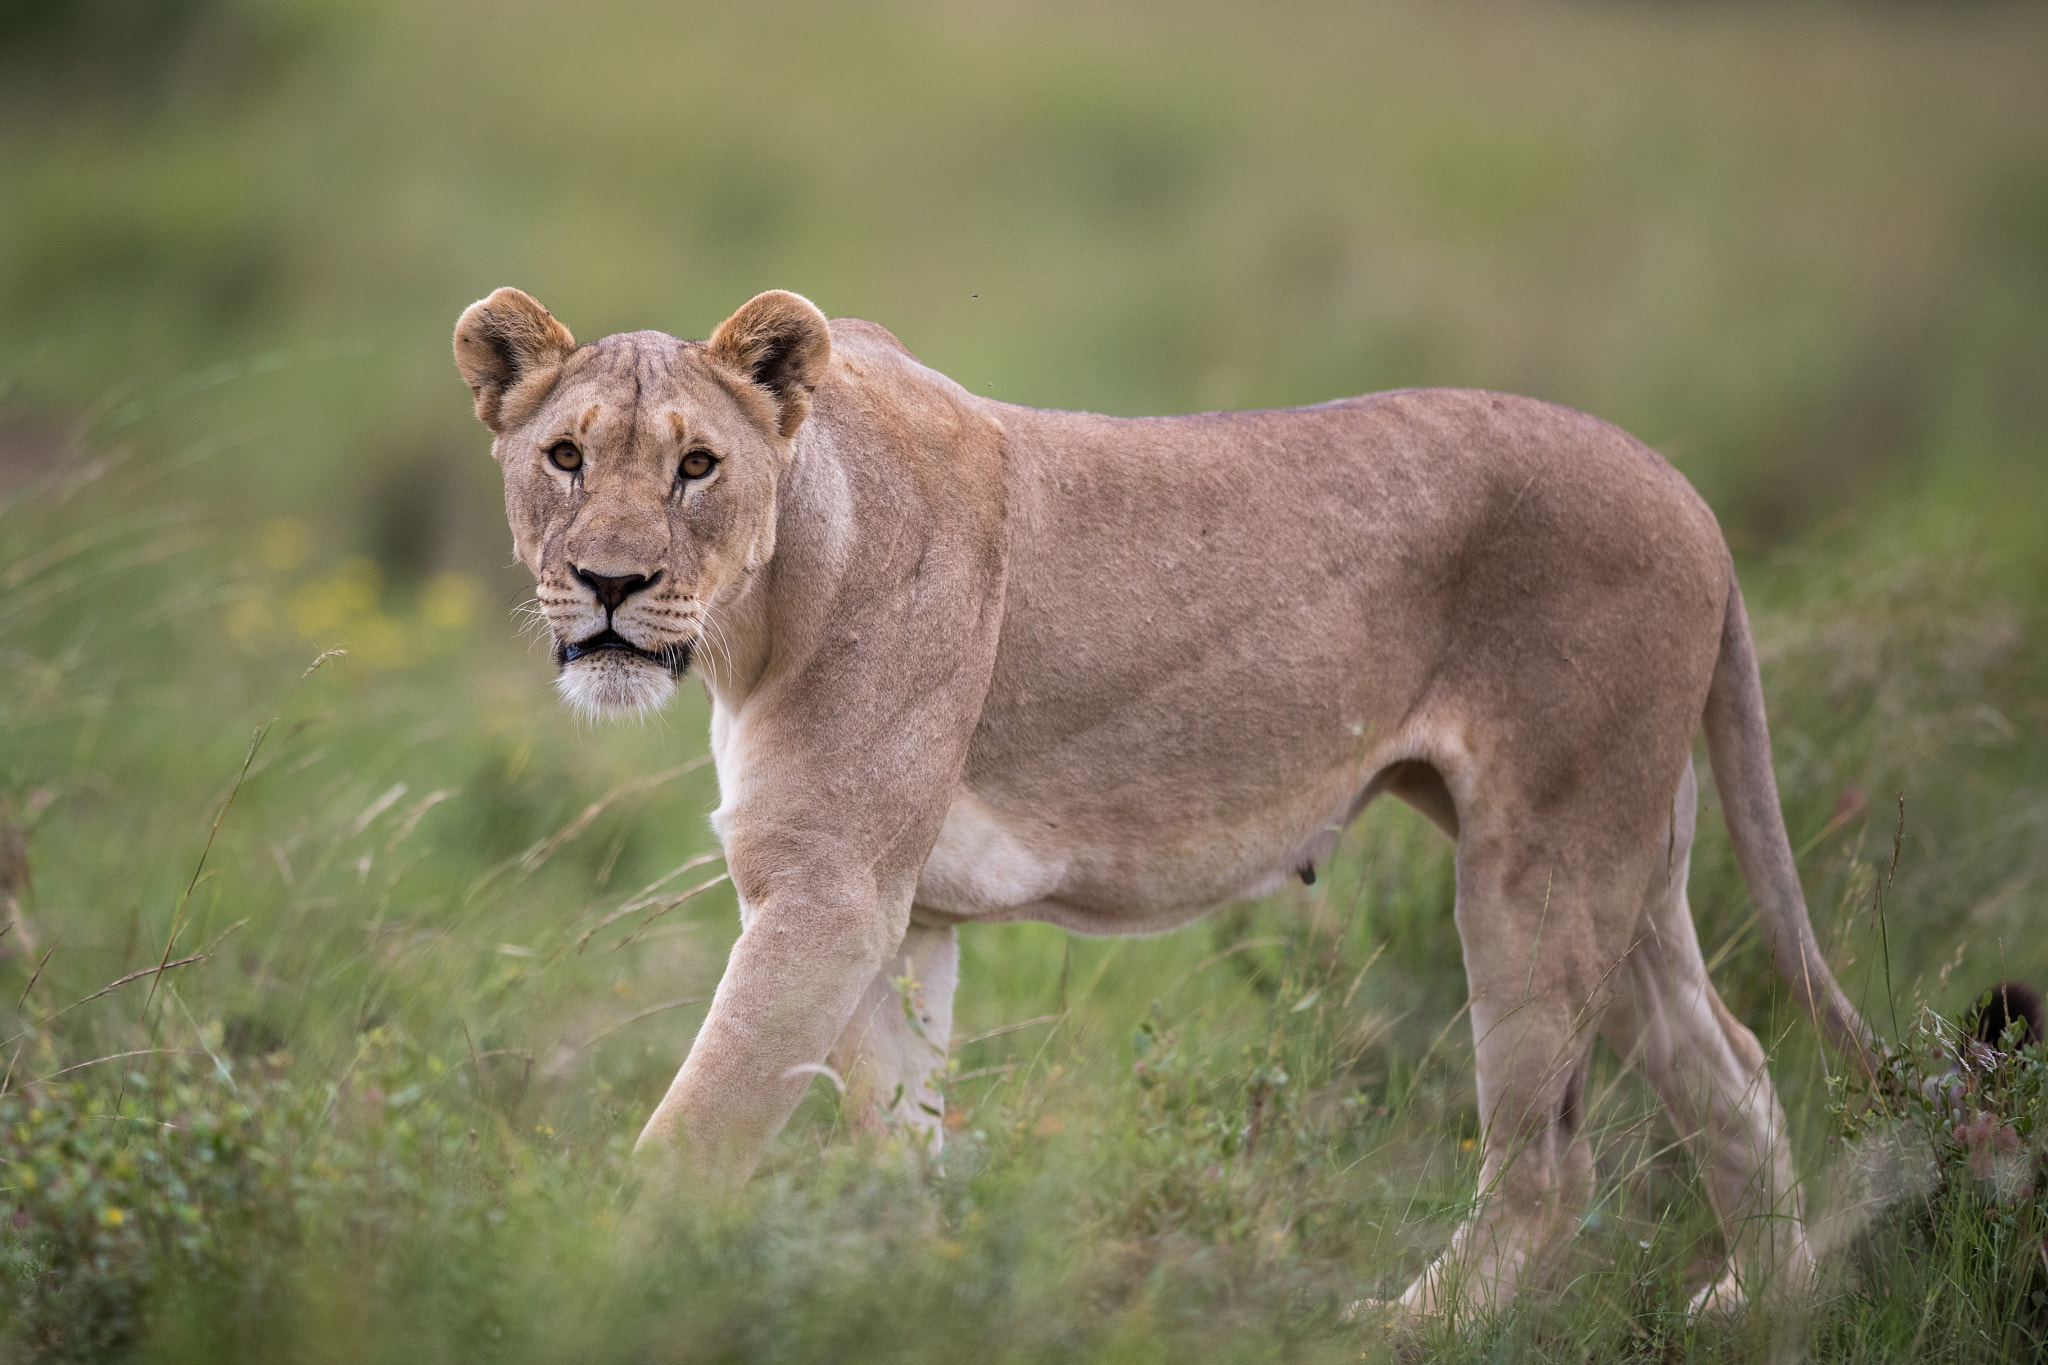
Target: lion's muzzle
[
  {"x": 674, "y": 658},
  {"x": 607, "y": 674}
]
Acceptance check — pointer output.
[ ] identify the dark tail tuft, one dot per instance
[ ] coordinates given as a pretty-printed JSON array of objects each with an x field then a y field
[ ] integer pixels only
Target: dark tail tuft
[{"x": 2004, "y": 1005}]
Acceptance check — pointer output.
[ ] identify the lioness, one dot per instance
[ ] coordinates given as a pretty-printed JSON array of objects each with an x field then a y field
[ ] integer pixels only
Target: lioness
[{"x": 976, "y": 662}]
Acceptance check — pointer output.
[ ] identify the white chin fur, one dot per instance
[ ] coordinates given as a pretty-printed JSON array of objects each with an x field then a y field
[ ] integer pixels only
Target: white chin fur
[{"x": 613, "y": 683}]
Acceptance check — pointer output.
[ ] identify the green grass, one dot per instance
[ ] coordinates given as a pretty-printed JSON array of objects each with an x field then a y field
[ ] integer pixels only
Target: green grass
[{"x": 1803, "y": 249}]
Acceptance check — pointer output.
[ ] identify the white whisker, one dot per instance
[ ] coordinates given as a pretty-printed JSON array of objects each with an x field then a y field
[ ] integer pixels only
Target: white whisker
[{"x": 712, "y": 631}]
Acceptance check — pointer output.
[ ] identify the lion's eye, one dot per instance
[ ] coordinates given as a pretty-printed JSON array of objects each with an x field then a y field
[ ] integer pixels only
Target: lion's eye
[
  {"x": 565, "y": 456},
  {"x": 697, "y": 464}
]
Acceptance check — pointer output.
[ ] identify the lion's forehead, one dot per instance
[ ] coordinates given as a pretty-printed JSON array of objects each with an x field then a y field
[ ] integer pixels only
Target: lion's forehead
[
  {"x": 645, "y": 388},
  {"x": 642, "y": 355}
]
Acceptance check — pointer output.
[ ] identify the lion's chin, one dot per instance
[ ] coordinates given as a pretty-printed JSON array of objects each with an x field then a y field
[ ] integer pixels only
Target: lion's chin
[{"x": 611, "y": 682}]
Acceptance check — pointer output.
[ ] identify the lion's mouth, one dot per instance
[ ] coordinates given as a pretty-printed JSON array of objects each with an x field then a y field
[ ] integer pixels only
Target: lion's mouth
[{"x": 673, "y": 658}]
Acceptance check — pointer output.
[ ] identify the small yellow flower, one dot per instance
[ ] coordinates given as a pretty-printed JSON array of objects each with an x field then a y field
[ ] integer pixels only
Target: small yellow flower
[
  {"x": 113, "y": 1218},
  {"x": 1467, "y": 1145},
  {"x": 543, "y": 1130}
]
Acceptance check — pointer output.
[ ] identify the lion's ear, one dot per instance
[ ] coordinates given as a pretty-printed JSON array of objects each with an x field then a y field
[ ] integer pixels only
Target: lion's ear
[
  {"x": 505, "y": 341},
  {"x": 779, "y": 341}
]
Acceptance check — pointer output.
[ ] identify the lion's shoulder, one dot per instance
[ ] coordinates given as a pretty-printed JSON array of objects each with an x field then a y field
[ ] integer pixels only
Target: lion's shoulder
[
  {"x": 875, "y": 378},
  {"x": 859, "y": 337}
]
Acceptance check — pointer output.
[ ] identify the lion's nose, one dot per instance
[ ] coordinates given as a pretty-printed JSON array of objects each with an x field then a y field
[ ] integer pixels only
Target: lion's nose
[{"x": 613, "y": 591}]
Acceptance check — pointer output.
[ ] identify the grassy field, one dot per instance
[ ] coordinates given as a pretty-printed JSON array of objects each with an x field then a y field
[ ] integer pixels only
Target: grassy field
[{"x": 442, "y": 959}]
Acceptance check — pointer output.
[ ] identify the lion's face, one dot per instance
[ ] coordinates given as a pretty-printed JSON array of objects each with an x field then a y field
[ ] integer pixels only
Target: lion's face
[
  {"x": 640, "y": 476},
  {"x": 641, "y": 492}
]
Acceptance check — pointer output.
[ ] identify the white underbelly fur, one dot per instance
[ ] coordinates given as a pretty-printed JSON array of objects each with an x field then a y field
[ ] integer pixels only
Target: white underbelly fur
[
  {"x": 983, "y": 865},
  {"x": 986, "y": 866},
  {"x": 989, "y": 864}
]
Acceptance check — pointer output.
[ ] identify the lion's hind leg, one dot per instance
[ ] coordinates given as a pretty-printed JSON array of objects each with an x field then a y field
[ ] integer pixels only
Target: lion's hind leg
[
  {"x": 1709, "y": 1072},
  {"x": 1536, "y": 931},
  {"x": 1536, "y": 1166},
  {"x": 892, "y": 1054}
]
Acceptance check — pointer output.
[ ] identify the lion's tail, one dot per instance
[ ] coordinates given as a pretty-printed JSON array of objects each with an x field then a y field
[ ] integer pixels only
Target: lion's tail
[{"x": 1739, "y": 745}]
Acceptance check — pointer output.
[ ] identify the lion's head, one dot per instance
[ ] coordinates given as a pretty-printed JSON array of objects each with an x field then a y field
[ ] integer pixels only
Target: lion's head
[{"x": 640, "y": 474}]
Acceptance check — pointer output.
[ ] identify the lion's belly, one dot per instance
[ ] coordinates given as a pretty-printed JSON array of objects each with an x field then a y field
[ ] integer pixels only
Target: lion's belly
[
  {"x": 991, "y": 866},
  {"x": 984, "y": 863}
]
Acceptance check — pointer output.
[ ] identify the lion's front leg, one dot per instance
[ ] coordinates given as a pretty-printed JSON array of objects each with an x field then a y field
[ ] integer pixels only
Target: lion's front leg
[
  {"x": 802, "y": 963},
  {"x": 892, "y": 1054}
]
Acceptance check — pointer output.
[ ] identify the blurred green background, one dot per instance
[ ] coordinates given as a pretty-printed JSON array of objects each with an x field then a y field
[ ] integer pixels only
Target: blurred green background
[{"x": 1800, "y": 248}]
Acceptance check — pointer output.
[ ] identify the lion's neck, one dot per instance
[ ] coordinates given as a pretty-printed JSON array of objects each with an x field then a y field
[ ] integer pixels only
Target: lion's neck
[
  {"x": 733, "y": 650},
  {"x": 775, "y": 616}
]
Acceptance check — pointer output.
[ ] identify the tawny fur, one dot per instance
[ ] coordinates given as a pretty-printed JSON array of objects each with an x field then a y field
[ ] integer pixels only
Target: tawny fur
[{"x": 973, "y": 662}]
